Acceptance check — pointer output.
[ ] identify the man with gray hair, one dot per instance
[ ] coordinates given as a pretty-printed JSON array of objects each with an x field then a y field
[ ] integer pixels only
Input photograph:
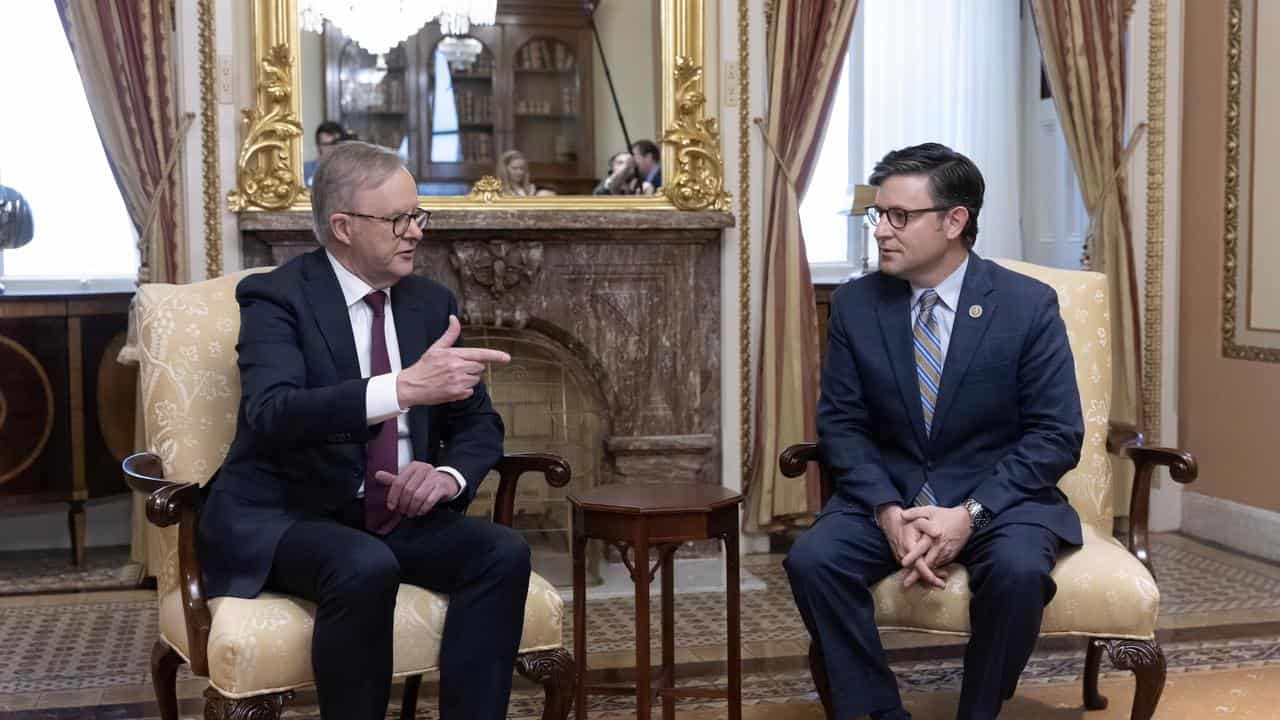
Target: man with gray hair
[{"x": 363, "y": 432}]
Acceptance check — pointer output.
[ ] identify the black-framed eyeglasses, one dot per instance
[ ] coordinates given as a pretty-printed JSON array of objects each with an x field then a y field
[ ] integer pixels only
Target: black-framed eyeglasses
[
  {"x": 898, "y": 217},
  {"x": 399, "y": 223}
]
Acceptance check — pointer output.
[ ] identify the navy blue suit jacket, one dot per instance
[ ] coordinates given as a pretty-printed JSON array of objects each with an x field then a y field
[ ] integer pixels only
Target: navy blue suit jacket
[
  {"x": 299, "y": 448},
  {"x": 1008, "y": 423}
]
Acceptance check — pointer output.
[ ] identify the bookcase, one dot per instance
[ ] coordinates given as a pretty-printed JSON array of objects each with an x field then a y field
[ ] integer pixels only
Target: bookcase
[{"x": 453, "y": 106}]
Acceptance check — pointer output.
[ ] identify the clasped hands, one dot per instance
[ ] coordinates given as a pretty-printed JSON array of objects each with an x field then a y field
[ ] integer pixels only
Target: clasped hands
[
  {"x": 925, "y": 539},
  {"x": 417, "y": 488}
]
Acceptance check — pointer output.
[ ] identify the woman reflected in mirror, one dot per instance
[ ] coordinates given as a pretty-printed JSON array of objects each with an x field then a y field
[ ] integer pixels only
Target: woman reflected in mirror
[{"x": 513, "y": 173}]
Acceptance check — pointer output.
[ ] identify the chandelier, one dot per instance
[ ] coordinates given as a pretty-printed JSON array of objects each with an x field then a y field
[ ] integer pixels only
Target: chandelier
[{"x": 379, "y": 25}]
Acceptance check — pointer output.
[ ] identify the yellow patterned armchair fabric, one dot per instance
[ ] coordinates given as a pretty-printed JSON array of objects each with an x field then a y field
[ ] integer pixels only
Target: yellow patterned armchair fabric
[
  {"x": 1106, "y": 589},
  {"x": 254, "y": 651}
]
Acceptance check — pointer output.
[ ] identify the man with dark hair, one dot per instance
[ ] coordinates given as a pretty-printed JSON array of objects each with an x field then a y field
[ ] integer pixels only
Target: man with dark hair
[
  {"x": 648, "y": 163},
  {"x": 328, "y": 134},
  {"x": 364, "y": 430},
  {"x": 949, "y": 412}
]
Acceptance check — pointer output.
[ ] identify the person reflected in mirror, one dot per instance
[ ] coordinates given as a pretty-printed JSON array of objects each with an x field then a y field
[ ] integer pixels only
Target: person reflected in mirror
[
  {"x": 513, "y": 173},
  {"x": 328, "y": 134},
  {"x": 648, "y": 162},
  {"x": 623, "y": 177}
]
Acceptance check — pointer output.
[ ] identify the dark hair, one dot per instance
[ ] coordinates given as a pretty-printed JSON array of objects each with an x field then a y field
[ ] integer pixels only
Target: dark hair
[
  {"x": 330, "y": 127},
  {"x": 953, "y": 179},
  {"x": 646, "y": 147}
]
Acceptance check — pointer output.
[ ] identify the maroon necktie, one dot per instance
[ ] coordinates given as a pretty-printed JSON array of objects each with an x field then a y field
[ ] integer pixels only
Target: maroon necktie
[{"x": 382, "y": 452}]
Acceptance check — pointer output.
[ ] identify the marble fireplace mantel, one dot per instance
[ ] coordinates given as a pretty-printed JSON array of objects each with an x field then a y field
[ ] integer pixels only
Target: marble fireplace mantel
[{"x": 634, "y": 296}]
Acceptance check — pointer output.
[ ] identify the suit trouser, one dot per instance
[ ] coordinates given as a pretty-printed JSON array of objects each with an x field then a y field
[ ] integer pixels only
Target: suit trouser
[
  {"x": 352, "y": 576},
  {"x": 833, "y": 566}
]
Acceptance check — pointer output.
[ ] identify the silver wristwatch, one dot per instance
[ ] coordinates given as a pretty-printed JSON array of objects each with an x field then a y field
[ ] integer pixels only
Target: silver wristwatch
[{"x": 978, "y": 515}]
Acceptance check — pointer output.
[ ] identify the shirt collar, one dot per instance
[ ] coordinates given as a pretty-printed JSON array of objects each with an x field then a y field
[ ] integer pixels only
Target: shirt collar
[
  {"x": 948, "y": 290},
  {"x": 353, "y": 288}
]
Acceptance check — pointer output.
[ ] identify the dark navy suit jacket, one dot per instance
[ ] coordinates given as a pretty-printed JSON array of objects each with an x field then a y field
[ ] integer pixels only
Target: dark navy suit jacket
[
  {"x": 299, "y": 448},
  {"x": 1008, "y": 423}
]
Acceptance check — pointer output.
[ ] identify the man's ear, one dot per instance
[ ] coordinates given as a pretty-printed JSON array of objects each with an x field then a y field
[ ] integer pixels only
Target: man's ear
[
  {"x": 957, "y": 219},
  {"x": 340, "y": 228}
]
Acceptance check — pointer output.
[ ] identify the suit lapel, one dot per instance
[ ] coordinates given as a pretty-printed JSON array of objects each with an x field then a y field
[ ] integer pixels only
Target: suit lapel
[
  {"x": 325, "y": 296},
  {"x": 966, "y": 333},
  {"x": 410, "y": 317},
  {"x": 894, "y": 311}
]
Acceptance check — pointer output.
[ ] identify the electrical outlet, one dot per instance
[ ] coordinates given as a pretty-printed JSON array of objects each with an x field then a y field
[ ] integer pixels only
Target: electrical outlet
[
  {"x": 225, "y": 73},
  {"x": 729, "y": 81}
]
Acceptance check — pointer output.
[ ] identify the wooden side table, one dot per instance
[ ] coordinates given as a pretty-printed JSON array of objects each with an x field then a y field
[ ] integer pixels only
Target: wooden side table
[{"x": 656, "y": 518}]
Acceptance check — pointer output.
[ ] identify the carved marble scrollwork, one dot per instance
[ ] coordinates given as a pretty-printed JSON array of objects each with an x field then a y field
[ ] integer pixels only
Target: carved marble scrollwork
[{"x": 496, "y": 278}]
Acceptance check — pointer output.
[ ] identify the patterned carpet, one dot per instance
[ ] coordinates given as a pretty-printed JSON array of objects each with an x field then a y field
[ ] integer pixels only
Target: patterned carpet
[
  {"x": 103, "y": 640},
  {"x": 48, "y": 571},
  {"x": 789, "y": 687}
]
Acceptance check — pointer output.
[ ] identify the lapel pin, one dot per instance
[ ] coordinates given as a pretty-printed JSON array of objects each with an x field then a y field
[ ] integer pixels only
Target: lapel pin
[{"x": 975, "y": 311}]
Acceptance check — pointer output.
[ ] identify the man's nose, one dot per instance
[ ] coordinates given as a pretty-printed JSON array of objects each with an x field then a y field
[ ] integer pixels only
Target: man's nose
[{"x": 882, "y": 230}]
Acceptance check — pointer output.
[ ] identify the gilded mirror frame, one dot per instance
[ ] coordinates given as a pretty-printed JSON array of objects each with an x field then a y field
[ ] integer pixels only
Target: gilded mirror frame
[{"x": 269, "y": 162}]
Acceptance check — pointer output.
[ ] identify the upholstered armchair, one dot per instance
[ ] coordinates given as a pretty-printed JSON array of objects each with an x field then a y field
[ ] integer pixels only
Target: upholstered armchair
[
  {"x": 256, "y": 652},
  {"x": 1106, "y": 589}
]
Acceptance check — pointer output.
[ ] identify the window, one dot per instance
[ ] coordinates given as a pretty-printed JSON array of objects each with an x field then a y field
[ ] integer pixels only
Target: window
[
  {"x": 84, "y": 239},
  {"x": 974, "y": 86}
]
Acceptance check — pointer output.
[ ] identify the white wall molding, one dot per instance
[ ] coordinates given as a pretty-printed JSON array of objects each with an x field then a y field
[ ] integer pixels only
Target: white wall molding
[{"x": 1240, "y": 527}]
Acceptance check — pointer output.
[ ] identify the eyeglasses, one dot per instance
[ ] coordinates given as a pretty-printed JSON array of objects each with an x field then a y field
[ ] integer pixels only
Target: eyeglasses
[
  {"x": 399, "y": 223},
  {"x": 898, "y": 217}
]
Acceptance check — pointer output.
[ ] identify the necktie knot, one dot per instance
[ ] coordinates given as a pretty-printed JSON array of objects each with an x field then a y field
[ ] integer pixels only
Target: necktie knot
[
  {"x": 928, "y": 299},
  {"x": 377, "y": 301}
]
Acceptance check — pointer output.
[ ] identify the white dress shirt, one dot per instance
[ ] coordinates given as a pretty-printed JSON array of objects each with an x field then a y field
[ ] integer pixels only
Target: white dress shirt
[
  {"x": 944, "y": 313},
  {"x": 380, "y": 401}
]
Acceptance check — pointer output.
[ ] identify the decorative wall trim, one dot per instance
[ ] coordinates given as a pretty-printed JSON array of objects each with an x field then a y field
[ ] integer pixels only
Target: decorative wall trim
[
  {"x": 1153, "y": 310},
  {"x": 1241, "y": 527},
  {"x": 744, "y": 235},
  {"x": 1231, "y": 202},
  {"x": 211, "y": 186}
]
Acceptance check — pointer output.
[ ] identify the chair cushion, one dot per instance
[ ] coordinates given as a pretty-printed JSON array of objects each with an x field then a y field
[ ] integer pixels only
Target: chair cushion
[
  {"x": 264, "y": 644},
  {"x": 1103, "y": 591}
]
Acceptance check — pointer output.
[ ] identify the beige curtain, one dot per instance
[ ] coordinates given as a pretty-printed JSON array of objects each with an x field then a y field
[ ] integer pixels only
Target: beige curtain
[
  {"x": 1083, "y": 46},
  {"x": 808, "y": 41},
  {"x": 123, "y": 49}
]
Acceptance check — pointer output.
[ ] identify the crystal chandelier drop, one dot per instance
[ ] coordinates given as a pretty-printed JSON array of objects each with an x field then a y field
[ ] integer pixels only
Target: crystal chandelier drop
[{"x": 379, "y": 25}]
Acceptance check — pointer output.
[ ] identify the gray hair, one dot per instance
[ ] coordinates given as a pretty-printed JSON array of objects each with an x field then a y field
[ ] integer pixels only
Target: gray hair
[{"x": 348, "y": 167}]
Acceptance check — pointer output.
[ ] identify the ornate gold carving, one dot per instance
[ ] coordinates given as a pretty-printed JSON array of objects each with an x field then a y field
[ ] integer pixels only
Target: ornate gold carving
[
  {"x": 744, "y": 237},
  {"x": 269, "y": 169},
  {"x": 1153, "y": 289},
  {"x": 698, "y": 183},
  {"x": 265, "y": 171},
  {"x": 211, "y": 186},
  {"x": 1231, "y": 231},
  {"x": 486, "y": 190}
]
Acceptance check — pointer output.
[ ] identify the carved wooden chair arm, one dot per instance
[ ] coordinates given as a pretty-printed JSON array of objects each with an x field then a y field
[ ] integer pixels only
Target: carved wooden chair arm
[
  {"x": 511, "y": 467},
  {"x": 169, "y": 503},
  {"x": 1125, "y": 441},
  {"x": 794, "y": 461}
]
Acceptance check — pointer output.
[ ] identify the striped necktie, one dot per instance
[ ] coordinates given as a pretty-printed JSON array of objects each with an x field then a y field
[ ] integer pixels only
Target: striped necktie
[{"x": 928, "y": 346}]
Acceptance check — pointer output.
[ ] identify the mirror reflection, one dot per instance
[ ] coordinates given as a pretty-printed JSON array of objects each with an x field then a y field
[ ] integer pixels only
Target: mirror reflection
[{"x": 559, "y": 97}]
